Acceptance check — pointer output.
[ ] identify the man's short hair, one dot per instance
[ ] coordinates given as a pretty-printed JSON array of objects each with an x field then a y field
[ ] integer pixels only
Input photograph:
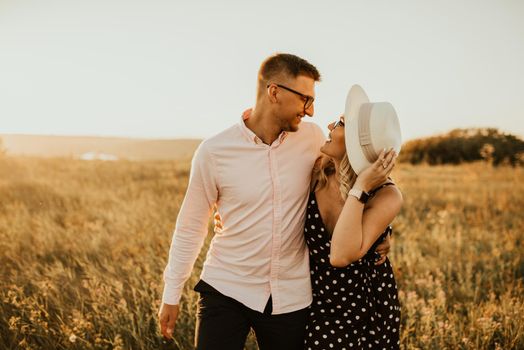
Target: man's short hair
[{"x": 287, "y": 65}]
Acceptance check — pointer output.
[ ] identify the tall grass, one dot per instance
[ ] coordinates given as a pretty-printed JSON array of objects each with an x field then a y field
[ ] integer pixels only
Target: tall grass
[{"x": 83, "y": 246}]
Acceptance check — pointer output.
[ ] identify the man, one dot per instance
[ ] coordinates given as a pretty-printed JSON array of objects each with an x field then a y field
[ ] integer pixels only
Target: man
[{"x": 256, "y": 176}]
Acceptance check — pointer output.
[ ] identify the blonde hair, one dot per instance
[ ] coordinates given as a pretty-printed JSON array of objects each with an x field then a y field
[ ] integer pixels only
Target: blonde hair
[{"x": 346, "y": 176}]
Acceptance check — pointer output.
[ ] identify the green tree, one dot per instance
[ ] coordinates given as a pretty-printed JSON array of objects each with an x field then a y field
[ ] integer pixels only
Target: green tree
[{"x": 465, "y": 145}]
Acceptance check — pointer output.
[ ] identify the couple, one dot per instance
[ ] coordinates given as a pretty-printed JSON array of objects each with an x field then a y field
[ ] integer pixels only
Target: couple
[{"x": 270, "y": 207}]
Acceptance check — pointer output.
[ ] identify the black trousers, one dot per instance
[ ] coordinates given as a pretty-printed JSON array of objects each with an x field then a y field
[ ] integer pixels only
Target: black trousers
[{"x": 224, "y": 323}]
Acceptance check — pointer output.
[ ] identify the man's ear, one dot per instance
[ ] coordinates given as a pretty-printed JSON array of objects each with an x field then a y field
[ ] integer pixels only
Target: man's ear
[{"x": 272, "y": 92}]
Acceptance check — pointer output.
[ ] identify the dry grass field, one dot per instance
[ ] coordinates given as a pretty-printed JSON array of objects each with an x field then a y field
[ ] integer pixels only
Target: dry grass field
[
  {"x": 76, "y": 146},
  {"x": 83, "y": 245}
]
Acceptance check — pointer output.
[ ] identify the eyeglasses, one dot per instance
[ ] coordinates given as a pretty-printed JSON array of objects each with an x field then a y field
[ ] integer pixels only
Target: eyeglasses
[
  {"x": 308, "y": 100},
  {"x": 337, "y": 123}
]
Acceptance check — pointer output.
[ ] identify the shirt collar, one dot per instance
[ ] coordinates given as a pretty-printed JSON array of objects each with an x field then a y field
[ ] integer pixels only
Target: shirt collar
[{"x": 251, "y": 136}]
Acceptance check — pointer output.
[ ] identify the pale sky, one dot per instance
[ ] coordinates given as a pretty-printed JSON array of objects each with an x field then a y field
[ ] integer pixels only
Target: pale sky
[{"x": 178, "y": 69}]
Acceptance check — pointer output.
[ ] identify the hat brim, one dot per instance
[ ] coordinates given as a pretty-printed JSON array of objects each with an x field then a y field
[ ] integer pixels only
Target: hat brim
[
  {"x": 383, "y": 129},
  {"x": 355, "y": 99}
]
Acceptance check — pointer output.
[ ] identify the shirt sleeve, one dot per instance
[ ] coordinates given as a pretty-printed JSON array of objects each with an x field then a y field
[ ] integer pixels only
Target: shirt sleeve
[{"x": 191, "y": 226}]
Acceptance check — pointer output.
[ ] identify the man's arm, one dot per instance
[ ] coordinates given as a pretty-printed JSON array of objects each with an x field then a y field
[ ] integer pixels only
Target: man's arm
[{"x": 189, "y": 235}]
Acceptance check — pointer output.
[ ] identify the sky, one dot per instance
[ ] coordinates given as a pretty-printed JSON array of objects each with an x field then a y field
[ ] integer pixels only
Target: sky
[{"x": 187, "y": 69}]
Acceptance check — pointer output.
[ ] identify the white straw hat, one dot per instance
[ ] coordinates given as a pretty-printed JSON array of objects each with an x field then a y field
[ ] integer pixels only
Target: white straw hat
[{"x": 369, "y": 127}]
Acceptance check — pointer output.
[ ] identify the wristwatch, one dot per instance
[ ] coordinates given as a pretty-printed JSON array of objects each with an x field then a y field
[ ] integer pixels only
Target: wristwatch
[{"x": 362, "y": 196}]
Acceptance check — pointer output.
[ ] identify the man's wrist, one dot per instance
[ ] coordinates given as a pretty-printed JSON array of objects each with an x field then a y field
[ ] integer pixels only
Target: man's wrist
[{"x": 170, "y": 296}]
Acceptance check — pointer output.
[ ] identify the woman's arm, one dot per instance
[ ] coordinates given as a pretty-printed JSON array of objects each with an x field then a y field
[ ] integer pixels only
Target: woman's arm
[
  {"x": 359, "y": 225},
  {"x": 358, "y": 228}
]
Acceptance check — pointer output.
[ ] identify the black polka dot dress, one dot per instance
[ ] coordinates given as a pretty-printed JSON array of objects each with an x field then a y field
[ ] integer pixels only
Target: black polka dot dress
[{"x": 355, "y": 307}]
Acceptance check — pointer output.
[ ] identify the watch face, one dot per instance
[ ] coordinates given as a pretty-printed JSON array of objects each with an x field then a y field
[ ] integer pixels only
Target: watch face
[{"x": 364, "y": 197}]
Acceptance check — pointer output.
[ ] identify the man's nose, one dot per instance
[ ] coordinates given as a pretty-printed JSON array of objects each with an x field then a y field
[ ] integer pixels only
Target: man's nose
[{"x": 310, "y": 110}]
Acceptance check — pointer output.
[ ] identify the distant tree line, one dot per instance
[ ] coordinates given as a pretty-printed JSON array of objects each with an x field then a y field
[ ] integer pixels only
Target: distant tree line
[{"x": 465, "y": 145}]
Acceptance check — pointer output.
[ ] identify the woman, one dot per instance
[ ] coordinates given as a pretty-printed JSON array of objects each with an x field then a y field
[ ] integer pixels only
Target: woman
[{"x": 355, "y": 303}]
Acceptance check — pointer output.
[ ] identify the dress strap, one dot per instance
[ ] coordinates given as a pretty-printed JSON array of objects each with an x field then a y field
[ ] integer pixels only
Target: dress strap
[{"x": 375, "y": 190}]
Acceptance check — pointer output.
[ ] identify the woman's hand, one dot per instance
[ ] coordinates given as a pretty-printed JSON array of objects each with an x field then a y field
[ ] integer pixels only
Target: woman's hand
[{"x": 378, "y": 172}]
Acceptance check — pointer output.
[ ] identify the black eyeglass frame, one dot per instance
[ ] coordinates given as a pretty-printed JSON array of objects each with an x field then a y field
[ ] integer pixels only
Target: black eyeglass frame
[{"x": 309, "y": 99}]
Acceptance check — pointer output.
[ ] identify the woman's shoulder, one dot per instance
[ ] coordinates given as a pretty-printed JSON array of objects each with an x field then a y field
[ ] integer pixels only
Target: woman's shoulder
[
  {"x": 315, "y": 173},
  {"x": 388, "y": 193},
  {"x": 314, "y": 180}
]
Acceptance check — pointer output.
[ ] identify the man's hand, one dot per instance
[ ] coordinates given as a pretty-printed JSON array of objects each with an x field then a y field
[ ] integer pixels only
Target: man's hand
[
  {"x": 167, "y": 316},
  {"x": 383, "y": 249}
]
